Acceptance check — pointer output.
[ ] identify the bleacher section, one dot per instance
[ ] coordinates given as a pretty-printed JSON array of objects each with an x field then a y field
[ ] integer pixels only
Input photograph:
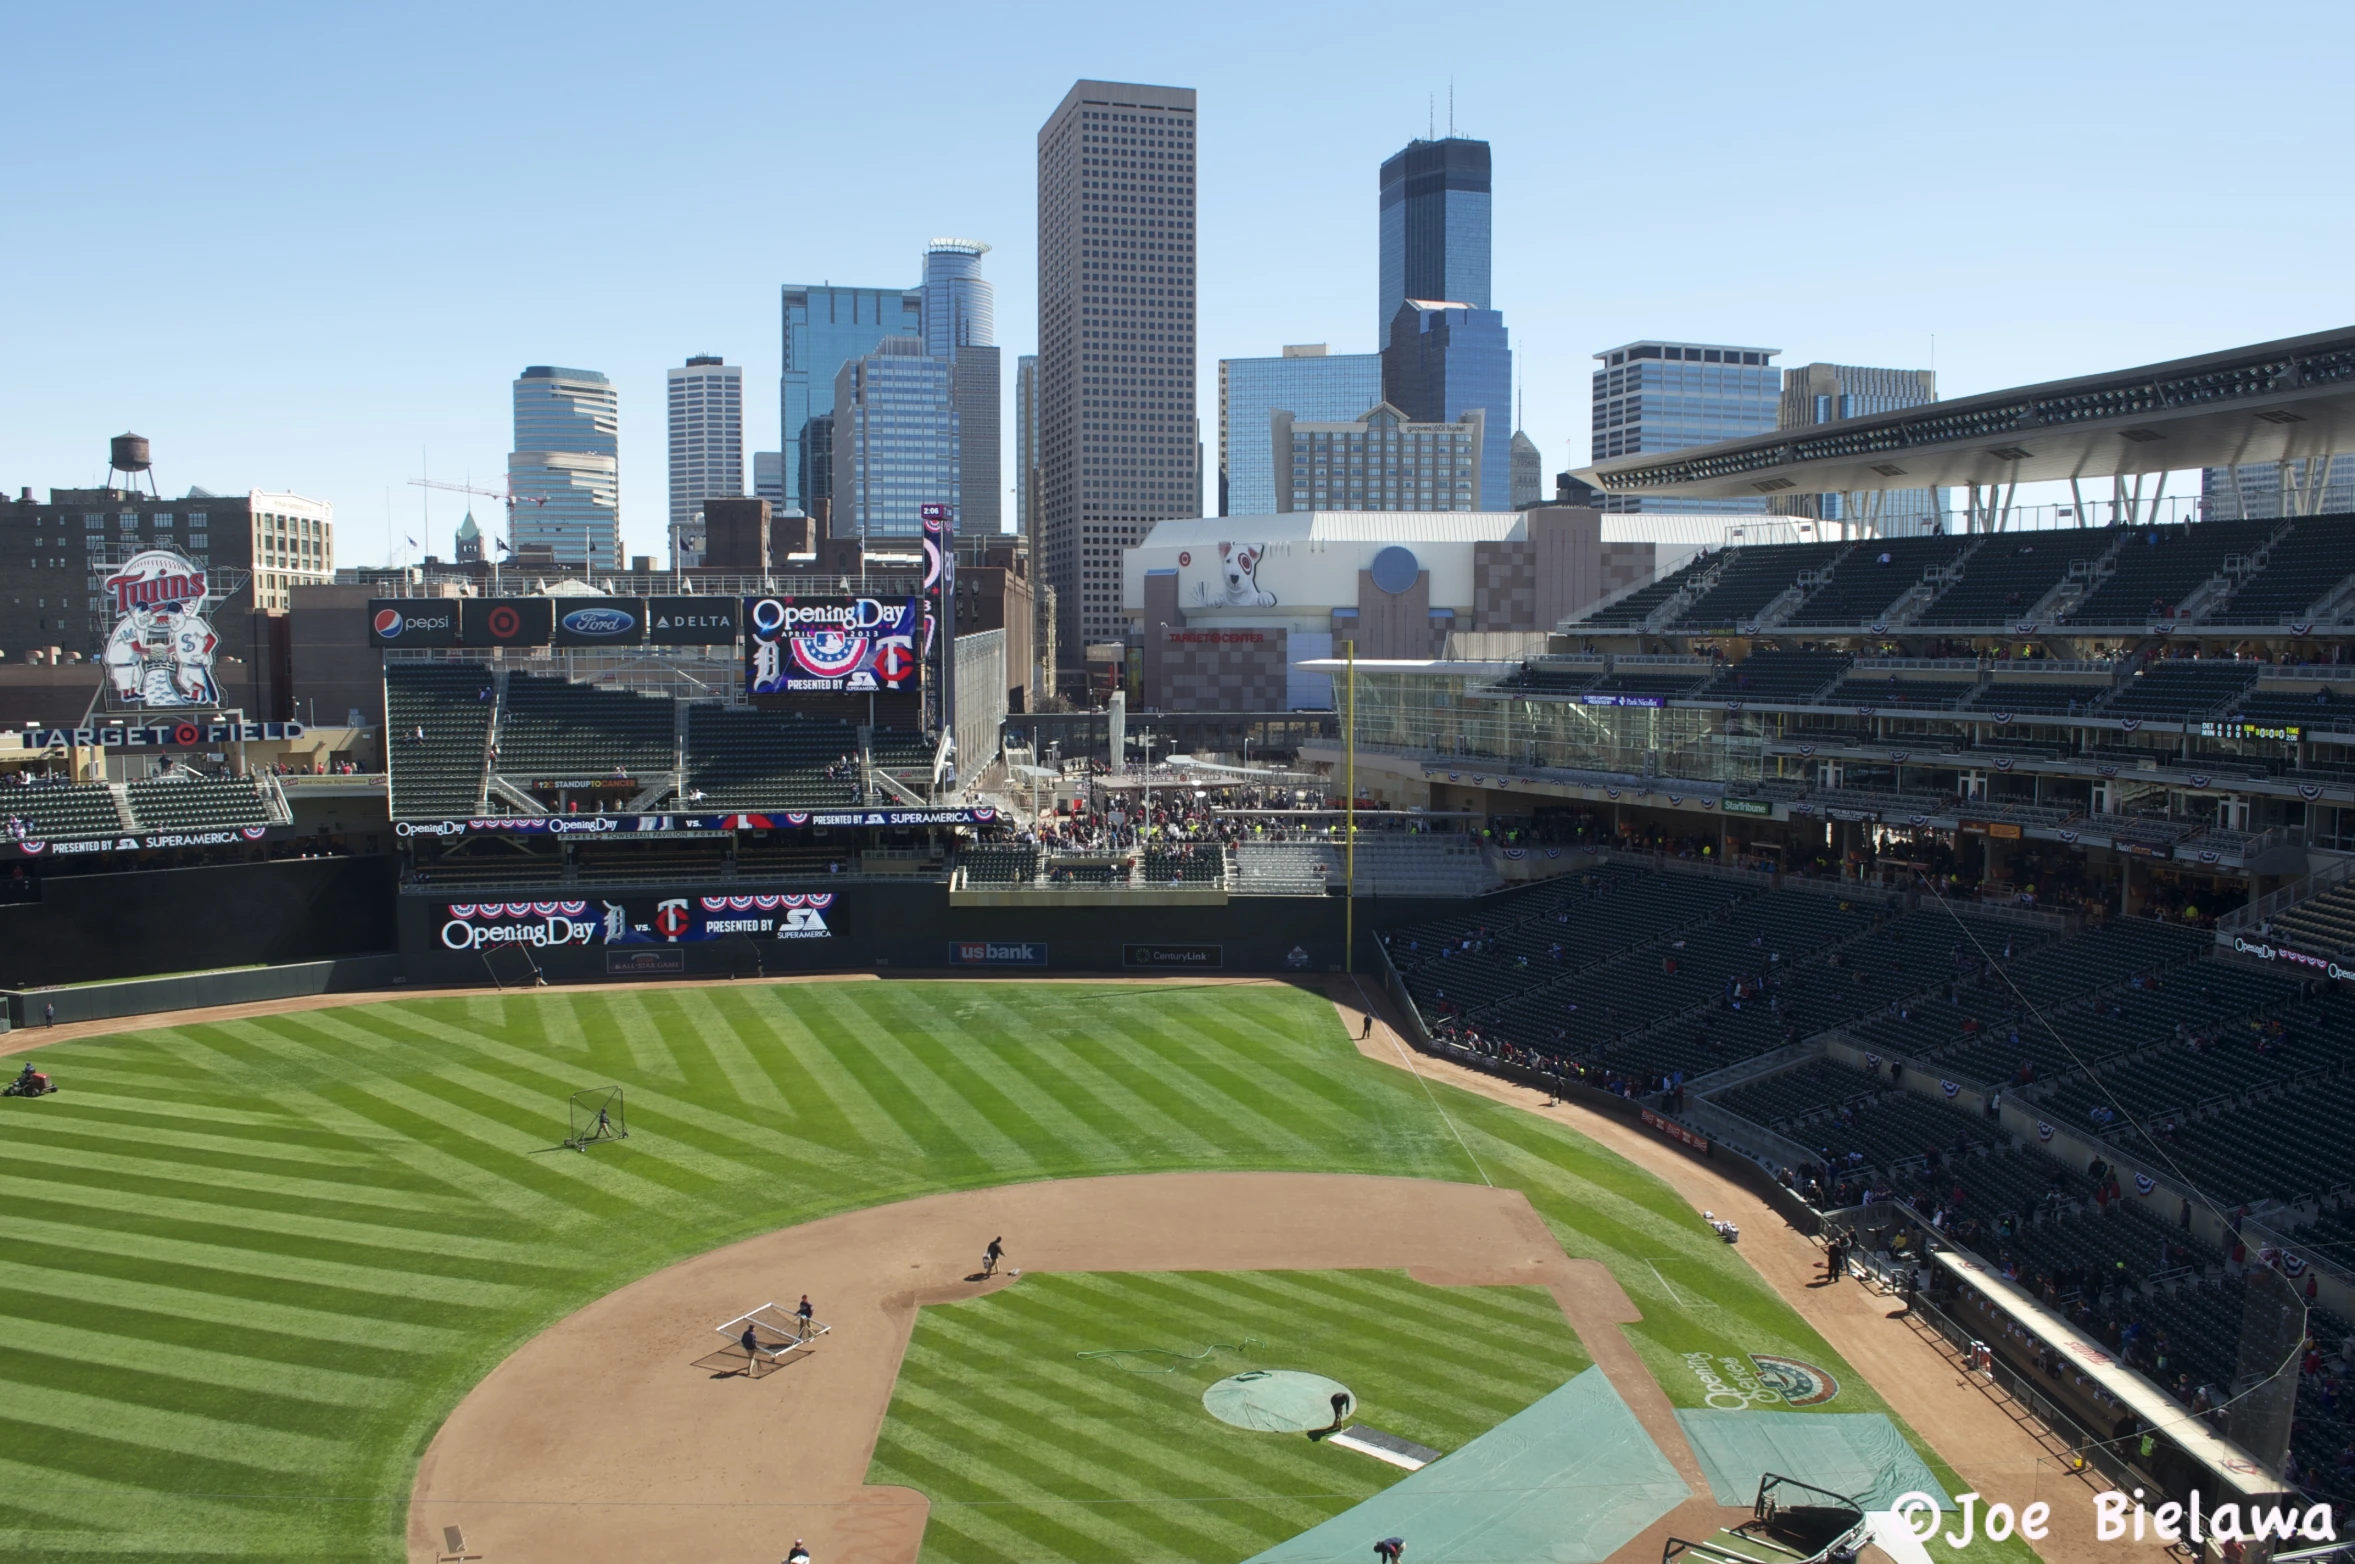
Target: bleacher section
[
  {"x": 185, "y": 803},
  {"x": 551, "y": 728},
  {"x": 1203, "y": 865},
  {"x": 438, "y": 725},
  {"x": 2323, "y": 926},
  {"x": 1889, "y": 691},
  {"x": 2156, "y": 568},
  {"x": 2004, "y": 579},
  {"x": 1640, "y": 604},
  {"x": 742, "y": 758},
  {"x": 1285, "y": 868},
  {"x": 2301, "y": 572},
  {"x": 61, "y": 812},
  {"x": 1871, "y": 577},
  {"x": 2183, "y": 689},
  {"x": 2042, "y": 697},
  {"x": 1751, "y": 580},
  {"x": 2293, "y": 705},
  {"x": 1789, "y": 677},
  {"x": 1000, "y": 863}
]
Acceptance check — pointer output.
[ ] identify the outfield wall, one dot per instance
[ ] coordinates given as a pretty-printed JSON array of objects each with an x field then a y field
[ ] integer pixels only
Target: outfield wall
[
  {"x": 93, "y": 927},
  {"x": 36, "y": 1007},
  {"x": 871, "y": 926}
]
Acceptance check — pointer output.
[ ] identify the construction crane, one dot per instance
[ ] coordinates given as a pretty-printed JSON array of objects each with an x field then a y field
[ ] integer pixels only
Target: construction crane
[{"x": 506, "y": 497}]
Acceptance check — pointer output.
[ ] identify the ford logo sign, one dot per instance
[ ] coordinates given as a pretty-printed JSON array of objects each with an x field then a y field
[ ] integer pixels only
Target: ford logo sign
[{"x": 599, "y": 621}]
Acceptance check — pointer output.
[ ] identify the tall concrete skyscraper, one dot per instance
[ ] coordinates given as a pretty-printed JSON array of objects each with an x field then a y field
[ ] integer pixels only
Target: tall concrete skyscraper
[
  {"x": 1119, "y": 443},
  {"x": 567, "y": 462},
  {"x": 825, "y": 328},
  {"x": 960, "y": 325},
  {"x": 707, "y": 446},
  {"x": 1435, "y": 230}
]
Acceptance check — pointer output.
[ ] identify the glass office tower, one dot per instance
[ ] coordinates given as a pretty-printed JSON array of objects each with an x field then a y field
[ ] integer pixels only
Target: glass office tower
[
  {"x": 1312, "y": 385},
  {"x": 1434, "y": 229},
  {"x": 895, "y": 441},
  {"x": 1446, "y": 359},
  {"x": 825, "y": 328},
  {"x": 1661, "y": 396},
  {"x": 565, "y": 469}
]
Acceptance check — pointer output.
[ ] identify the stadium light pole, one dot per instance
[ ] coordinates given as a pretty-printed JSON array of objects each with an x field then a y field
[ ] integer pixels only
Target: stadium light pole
[{"x": 1349, "y": 817}]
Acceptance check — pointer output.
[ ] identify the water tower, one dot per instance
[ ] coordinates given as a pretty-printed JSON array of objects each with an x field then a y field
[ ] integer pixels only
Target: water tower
[{"x": 127, "y": 454}]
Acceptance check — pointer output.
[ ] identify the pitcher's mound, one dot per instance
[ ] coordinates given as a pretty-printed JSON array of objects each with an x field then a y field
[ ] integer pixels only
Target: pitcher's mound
[{"x": 1275, "y": 1401}]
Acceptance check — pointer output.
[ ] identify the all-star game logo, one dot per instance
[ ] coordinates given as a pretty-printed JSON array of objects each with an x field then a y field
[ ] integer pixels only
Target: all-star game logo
[{"x": 1799, "y": 1384}]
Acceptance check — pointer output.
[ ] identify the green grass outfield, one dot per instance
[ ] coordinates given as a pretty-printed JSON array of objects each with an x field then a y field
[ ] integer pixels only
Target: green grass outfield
[
  {"x": 1135, "y": 1468},
  {"x": 249, "y": 1266}
]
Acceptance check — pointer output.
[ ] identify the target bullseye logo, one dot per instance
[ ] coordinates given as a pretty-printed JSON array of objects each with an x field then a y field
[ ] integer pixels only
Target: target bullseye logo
[
  {"x": 506, "y": 624},
  {"x": 187, "y": 735}
]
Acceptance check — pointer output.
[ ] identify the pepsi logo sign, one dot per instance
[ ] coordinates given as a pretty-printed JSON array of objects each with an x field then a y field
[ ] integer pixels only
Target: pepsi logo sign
[{"x": 388, "y": 622}]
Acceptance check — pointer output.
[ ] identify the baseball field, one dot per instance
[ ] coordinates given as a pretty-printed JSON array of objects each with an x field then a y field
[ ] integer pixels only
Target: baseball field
[{"x": 252, "y": 1266}]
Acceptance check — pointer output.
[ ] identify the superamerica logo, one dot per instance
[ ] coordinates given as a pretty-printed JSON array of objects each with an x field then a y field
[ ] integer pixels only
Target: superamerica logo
[
  {"x": 482, "y": 925},
  {"x": 786, "y": 917}
]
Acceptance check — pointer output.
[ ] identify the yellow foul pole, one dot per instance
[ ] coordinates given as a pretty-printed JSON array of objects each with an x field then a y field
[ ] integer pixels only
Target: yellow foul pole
[{"x": 1349, "y": 818}]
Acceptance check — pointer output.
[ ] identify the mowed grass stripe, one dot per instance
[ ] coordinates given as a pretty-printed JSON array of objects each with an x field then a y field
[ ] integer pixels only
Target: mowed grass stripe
[
  {"x": 214, "y": 1358},
  {"x": 874, "y": 1131},
  {"x": 255, "y": 1453},
  {"x": 211, "y": 1252},
  {"x": 71, "y": 1206},
  {"x": 355, "y": 1136},
  {"x": 262, "y": 1309}
]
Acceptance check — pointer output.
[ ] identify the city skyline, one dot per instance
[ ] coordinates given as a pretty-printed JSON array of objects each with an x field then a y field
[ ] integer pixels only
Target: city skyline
[{"x": 223, "y": 346}]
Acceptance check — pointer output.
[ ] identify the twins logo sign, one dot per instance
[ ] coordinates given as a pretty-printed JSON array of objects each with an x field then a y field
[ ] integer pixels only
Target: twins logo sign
[{"x": 683, "y": 919}]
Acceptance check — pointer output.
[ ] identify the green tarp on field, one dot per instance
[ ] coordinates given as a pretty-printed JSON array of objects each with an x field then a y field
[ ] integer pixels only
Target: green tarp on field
[
  {"x": 1569, "y": 1480},
  {"x": 1859, "y": 1454}
]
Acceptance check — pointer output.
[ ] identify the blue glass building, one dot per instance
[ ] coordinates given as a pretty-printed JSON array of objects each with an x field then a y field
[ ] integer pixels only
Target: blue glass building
[
  {"x": 1435, "y": 229},
  {"x": 825, "y": 328},
  {"x": 565, "y": 468},
  {"x": 895, "y": 433},
  {"x": 1445, "y": 359},
  {"x": 1662, "y": 396},
  {"x": 1312, "y": 385}
]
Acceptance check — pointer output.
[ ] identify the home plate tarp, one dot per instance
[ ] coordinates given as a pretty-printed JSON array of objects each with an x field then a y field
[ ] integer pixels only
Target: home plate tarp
[
  {"x": 1569, "y": 1480},
  {"x": 1860, "y": 1454}
]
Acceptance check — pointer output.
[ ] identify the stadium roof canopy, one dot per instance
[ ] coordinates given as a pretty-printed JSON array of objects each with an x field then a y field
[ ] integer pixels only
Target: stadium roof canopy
[{"x": 2274, "y": 401}]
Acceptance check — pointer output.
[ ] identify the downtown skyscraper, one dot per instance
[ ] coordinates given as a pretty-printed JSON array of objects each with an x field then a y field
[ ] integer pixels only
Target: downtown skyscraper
[
  {"x": 567, "y": 465},
  {"x": 1435, "y": 229},
  {"x": 1119, "y": 443},
  {"x": 706, "y": 405}
]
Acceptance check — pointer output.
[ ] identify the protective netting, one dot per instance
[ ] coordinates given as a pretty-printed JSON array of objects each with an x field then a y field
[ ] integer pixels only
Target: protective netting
[{"x": 2265, "y": 1381}]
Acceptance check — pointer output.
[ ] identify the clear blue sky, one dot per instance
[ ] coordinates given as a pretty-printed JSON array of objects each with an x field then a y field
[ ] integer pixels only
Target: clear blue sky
[{"x": 307, "y": 247}]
